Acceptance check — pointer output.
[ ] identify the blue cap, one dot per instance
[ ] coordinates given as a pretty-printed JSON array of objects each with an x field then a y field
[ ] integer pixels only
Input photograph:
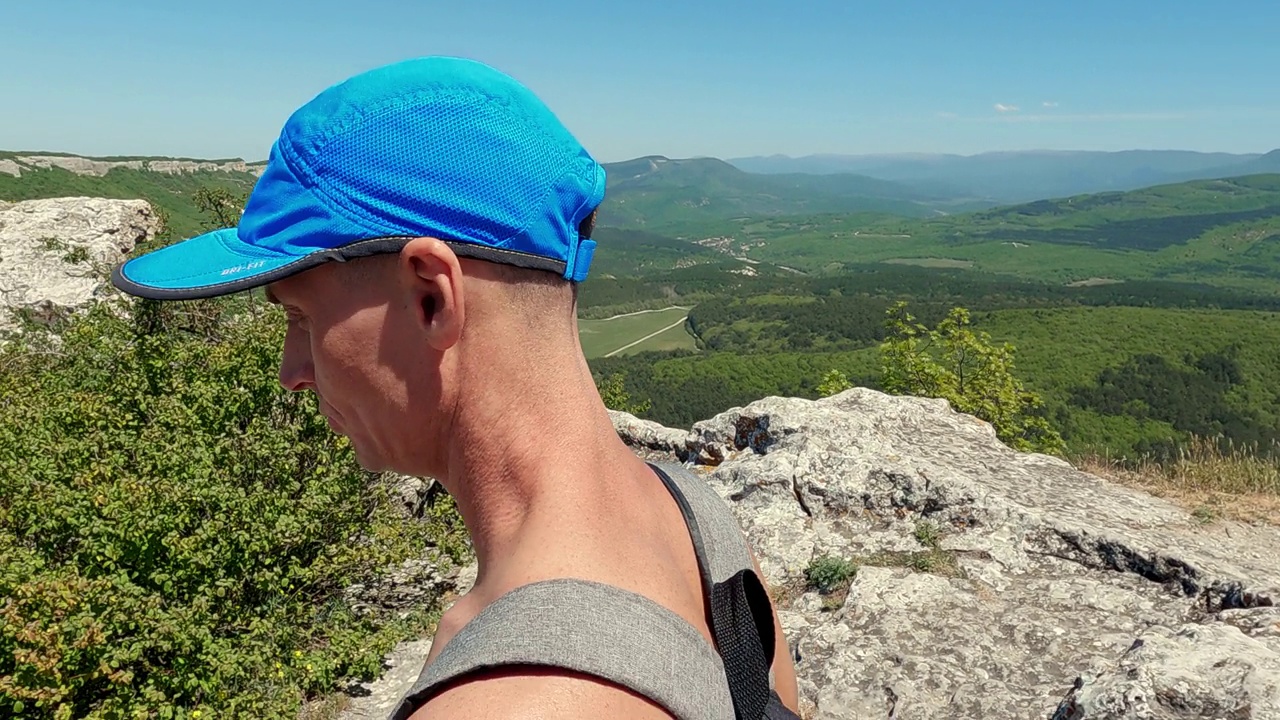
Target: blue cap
[{"x": 438, "y": 147}]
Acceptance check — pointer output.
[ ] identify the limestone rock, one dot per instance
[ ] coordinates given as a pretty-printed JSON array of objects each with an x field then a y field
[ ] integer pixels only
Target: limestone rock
[
  {"x": 1209, "y": 670},
  {"x": 375, "y": 700},
  {"x": 48, "y": 249},
  {"x": 649, "y": 439},
  {"x": 411, "y": 493},
  {"x": 78, "y": 165},
  {"x": 98, "y": 168},
  {"x": 413, "y": 584}
]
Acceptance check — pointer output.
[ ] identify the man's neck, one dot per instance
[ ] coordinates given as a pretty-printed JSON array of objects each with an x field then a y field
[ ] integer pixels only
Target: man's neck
[{"x": 524, "y": 445}]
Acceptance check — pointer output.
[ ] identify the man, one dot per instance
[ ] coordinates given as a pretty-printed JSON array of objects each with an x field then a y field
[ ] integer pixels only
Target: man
[{"x": 424, "y": 226}]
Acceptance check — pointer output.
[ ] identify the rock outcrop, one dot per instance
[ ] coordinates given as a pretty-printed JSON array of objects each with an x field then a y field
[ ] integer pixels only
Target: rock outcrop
[
  {"x": 48, "y": 250},
  {"x": 989, "y": 583},
  {"x": 92, "y": 166}
]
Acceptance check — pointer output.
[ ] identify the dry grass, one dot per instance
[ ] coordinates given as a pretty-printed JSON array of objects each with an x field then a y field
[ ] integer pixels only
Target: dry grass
[
  {"x": 935, "y": 561},
  {"x": 1211, "y": 481}
]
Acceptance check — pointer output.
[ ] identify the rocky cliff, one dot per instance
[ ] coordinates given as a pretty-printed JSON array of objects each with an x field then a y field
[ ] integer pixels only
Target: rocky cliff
[
  {"x": 52, "y": 252},
  {"x": 989, "y": 583},
  {"x": 15, "y": 165}
]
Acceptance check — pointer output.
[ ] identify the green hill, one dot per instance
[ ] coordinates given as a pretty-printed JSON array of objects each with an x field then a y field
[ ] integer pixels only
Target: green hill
[
  {"x": 658, "y": 193},
  {"x": 1223, "y": 232},
  {"x": 1021, "y": 176}
]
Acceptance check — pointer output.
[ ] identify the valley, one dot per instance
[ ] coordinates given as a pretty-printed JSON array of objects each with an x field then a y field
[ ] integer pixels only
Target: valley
[{"x": 712, "y": 287}]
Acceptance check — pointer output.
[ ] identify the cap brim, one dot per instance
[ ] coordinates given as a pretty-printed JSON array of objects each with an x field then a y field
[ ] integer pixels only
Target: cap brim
[
  {"x": 219, "y": 263},
  {"x": 209, "y": 265}
]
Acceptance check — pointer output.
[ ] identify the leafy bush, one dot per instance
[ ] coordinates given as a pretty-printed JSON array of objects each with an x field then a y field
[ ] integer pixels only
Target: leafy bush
[
  {"x": 828, "y": 572},
  {"x": 175, "y": 528},
  {"x": 833, "y": 383},
  {"x": 613, "y": 391},
  {"x": 975, "y": 375}
]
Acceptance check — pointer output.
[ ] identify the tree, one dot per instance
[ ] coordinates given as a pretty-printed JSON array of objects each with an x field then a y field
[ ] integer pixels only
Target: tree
[
  {"x": 966, "y": 368},
  {"x": 833, "y": 382},
  {"x": 614, "y": 393},
  {"x": 221, "y": 207}
]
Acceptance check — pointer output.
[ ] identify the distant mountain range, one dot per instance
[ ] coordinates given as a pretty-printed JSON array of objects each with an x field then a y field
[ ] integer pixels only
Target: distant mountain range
[
  {"x": 698, "y": 195},
  {"x": 657, "y": 192},
  {"x": 1008, "y": 177}
]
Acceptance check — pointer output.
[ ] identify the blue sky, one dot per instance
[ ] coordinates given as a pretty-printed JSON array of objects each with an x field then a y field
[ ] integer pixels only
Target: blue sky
[{"x": 680, "y": 79}]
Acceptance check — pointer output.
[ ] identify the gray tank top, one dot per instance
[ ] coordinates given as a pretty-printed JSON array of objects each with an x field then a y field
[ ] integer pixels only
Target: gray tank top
[{"x": 605, "y": 631}]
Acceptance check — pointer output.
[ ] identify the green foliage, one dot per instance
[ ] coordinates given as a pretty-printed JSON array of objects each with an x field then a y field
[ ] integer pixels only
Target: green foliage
[
  {"x": 76, "y": 255},
  {"x": 846, "y": 311},
  {"x": 629, "y": 253},
  {"x": 221, "y": 206},
  {"x": 975, "y": 375},
  {"x": 827, "y": 573},
  {"x": 834, "y": 382},
  {"x": 614, "y": 393},
  {"x": 1192, "y": 396},
  {"x": 1060, "y": 350},
  {"x": 928, "y": 534},
  {"x": 175, "y": 528},
  {"x": 686, "y": 387}
]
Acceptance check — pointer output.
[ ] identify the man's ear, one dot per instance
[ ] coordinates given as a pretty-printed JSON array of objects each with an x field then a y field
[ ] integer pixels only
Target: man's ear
[{"x": 433, "y": 278}]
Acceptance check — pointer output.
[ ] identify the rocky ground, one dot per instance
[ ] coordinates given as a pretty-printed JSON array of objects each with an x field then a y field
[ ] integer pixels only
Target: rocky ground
[{"x": 990, "y": 583}]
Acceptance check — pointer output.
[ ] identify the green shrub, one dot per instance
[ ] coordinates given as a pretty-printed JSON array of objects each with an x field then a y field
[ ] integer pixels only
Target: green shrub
[
  {"x": 827, "y": 573},
  {"x": 833, "y": 383},
  {"x": 971, "y": 372},
  {"x": 613, "y": 391},
  {"x": 928, "y": 534},
  {"x": 175, "y": 528}
]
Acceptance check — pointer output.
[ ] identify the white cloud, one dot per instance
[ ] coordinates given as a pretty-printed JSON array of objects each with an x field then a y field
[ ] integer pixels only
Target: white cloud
[
  {"x": 1001, "y": 107},
  {"x": 1098, "y": 117},
  {"x": 1049, "y": 103}
]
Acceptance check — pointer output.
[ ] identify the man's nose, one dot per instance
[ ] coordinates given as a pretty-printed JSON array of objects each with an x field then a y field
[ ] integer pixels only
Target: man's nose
[{"x": 297, "y": 372}]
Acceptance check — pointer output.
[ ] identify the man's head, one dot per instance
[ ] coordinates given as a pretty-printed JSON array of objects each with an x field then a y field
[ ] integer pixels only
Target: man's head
[
  {"x": 390, "y": 344},
  {"x": 411, "y": 220}
]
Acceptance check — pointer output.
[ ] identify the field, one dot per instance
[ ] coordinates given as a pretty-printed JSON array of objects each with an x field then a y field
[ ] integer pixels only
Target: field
[{"x": 635, "y": 332}]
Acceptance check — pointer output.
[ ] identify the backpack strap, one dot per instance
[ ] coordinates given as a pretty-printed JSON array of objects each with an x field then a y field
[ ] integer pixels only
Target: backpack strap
[
  {"x": 591, "y": 628},
  {"x": 741, "y": 623}
]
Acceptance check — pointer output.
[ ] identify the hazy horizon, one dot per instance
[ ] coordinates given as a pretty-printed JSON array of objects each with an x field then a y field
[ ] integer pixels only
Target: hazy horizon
[{"x": 904, "y": 154}]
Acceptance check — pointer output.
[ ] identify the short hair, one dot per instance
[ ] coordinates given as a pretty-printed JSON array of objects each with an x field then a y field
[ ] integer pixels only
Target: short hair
[{"x": 534, "y": 285}]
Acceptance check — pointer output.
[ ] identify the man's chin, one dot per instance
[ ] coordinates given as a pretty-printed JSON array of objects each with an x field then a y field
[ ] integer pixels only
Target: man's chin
[
  {"x": 369, "y": 462},
  {"x": 363, "y": 459}
]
